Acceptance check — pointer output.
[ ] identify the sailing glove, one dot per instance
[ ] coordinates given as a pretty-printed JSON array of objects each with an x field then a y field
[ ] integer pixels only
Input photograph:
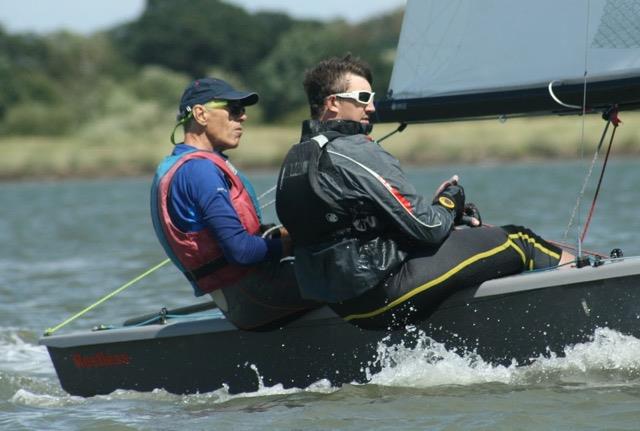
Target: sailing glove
[
  {"x": 452, "y": 198},
  {"x": 471, "y": 212}
]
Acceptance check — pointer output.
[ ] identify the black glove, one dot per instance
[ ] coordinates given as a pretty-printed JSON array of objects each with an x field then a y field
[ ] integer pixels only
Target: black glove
[
  {"x": 452, "y": 198},
  {"x": 471, "y": 211}
]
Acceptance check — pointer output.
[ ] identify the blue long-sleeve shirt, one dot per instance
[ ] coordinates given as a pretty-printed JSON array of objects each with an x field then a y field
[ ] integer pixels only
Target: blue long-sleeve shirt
[{"x": 199, "y": 199}]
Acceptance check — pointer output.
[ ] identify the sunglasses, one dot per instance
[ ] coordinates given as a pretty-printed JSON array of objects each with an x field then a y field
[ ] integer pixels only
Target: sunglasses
[
  {"x": 363, "y": 97},
  {"x": 236, "y": 110}
]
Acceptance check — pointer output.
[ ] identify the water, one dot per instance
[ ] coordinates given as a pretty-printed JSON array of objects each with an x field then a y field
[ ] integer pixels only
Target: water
[{"x": 66, "y": 244}]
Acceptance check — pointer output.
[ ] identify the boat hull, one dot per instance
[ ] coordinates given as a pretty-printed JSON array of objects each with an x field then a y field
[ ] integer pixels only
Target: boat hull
[{"x": 517, "y": 318}]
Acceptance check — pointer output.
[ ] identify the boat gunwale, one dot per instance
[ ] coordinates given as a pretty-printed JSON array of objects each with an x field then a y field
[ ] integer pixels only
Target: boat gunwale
[{"x": 206, "y": 324}]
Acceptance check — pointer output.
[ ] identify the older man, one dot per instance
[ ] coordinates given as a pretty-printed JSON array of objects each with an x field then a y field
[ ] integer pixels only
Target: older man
[
  {"x": 206, "y": 216},
  {"x": 365, "y": 240}
]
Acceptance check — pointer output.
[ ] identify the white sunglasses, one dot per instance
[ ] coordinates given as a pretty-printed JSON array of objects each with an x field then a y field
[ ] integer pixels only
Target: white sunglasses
[{"x": 363, "y": 97}]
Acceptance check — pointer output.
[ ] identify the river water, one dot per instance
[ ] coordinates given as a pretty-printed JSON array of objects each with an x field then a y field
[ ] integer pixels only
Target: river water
[{"x": 66, "y": 244}]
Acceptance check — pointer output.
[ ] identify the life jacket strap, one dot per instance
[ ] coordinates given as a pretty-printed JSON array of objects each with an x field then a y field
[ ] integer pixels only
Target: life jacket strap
[{"x": 206, "y": 269}]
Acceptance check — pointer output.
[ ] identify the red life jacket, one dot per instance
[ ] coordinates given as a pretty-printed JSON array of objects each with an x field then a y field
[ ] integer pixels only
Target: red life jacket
[{"x": 198, "y": 254}]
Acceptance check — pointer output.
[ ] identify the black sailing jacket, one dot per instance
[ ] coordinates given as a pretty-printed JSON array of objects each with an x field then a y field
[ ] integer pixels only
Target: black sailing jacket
[{"x": 351, "y": 212}]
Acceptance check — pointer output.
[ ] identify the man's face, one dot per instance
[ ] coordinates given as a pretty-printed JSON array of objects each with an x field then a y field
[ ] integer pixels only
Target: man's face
[
  {"x": 343, "y": 108},
  {"x": 224, "y": 127}
]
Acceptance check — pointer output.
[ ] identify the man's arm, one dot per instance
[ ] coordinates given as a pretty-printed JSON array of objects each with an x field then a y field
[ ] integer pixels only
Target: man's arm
[
  {"x": 208, "y": 205},
  {"x": 372, "y": 173}
]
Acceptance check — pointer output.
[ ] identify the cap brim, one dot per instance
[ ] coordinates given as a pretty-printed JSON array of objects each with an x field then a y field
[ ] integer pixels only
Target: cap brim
[{"x": 247, "y": 99}]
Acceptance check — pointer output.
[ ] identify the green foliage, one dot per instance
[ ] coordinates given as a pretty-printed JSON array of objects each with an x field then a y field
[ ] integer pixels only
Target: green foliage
[
  {"x": 375, "y": 41},
  {"x": 74, "y": 59},
  {"x": 52, "y": 83},
  {"x": 160, "y": 84},
  {"x": 20, "y": 70},
  {"x": 61, "y": 83},
  {"x": 33, "y": 118},
  {"x": 268, "y": 51},
  {"x": 194, "y": 36},
  {"x": 280, "y": 74}
]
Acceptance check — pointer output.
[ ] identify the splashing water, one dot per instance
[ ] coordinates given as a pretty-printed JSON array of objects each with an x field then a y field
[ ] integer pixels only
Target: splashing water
[
  {"x": 429, "y": 364},
  {"x": 223, "y": 395},
  {"x": 18, "y": 355},
  {"x": 609, "y": 358}
]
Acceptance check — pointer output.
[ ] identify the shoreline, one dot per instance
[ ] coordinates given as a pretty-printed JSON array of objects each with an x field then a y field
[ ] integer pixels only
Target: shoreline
[
  {"x": 263, "y": 169},
  {"x": 127, "y": 153}
]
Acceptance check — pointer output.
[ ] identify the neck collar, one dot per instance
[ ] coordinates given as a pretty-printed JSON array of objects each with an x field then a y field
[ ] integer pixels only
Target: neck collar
[{"x": 311, "y": 128}]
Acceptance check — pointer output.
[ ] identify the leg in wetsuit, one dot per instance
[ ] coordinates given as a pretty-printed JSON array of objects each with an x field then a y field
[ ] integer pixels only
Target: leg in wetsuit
[
  {"x": 466, "y": 258},
  {"x": 266, "y": 298}
]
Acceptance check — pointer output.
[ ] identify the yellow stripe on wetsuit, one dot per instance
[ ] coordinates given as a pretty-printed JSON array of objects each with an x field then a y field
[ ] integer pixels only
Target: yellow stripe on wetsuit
[
  {"x": 527, "y": 238},
  {"x": 459, "y": 267}
]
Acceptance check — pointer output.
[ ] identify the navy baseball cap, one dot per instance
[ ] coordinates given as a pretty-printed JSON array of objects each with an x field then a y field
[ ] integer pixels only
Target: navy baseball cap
[{"x": 205, "y": 90}]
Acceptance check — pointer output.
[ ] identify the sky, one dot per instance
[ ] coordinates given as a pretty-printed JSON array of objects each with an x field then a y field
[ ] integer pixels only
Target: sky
[{"x": 87, "y": 16}]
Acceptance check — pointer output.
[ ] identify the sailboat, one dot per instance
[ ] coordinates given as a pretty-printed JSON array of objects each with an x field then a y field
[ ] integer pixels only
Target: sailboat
[{"x": 456, "y": 60}]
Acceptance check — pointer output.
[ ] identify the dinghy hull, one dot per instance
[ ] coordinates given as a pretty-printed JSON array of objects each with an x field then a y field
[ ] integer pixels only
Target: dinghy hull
[{"x": 517, "y": 318}]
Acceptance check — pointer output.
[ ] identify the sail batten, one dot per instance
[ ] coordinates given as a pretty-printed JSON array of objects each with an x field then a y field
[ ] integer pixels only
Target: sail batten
[{"x": 460, "y": 51}]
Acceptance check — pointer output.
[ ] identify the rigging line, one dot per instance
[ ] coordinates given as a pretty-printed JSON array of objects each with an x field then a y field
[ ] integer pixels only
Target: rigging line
[
  {"x": 585, "y": 182},
  {"x": 267, "y": 192},
  {"x": 576, "y": 208},
  {"x": 584, "y": 85},
  {"x": 400, "y": 128},
  {"x": 604, "y": 165},
  {"x": 584, "y": 102},
  {"x": 271, "y": 202},
  {"x": 570, "y": 247},
  {"x": 50, "y": 331}
]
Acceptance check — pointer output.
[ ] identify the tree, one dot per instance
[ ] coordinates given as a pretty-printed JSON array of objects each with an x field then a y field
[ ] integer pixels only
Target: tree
[
  {"x": 21, "y": 70},
  {"x": 279, "y": 76},
  {"x": 200, "y": 34}
]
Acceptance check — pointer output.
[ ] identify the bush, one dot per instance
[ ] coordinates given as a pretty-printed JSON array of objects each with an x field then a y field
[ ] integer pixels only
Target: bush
[
  {"x": 39, "y": 119},
  {"x": 159, "y": 84}
]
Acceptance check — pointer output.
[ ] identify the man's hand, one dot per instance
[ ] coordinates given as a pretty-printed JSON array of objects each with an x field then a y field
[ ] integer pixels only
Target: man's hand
[
  {"x": 453, "y": 180},
  {"x": 287, "y": 245},
  {"x": 450, "y": 195},
  {"x": 471, "y": 216}
]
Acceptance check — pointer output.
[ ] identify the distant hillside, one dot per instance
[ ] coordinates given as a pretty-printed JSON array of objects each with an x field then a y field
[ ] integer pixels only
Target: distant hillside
[{"x": 56, "y": 84}]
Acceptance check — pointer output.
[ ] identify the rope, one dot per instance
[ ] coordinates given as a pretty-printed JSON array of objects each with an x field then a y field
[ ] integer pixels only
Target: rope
[
  {"x": 584, "y": 112},
  {"x": 400, "y": 128},
  {"x": 611, "y": 115},
  {"x": 271, "y": 202},
  {"x": 267, "y": 192},
  {"x": 584, "y": 183},
  {"x": 572, "y": 248},
  {"x": 50, "y": 331},
  {"x": 612, "y": 119}
]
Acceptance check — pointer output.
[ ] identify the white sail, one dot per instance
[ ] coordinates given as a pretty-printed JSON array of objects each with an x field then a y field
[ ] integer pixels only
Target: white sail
[
  {"x": 484, "y": 58},
  {"x": 461, "y": 46}
]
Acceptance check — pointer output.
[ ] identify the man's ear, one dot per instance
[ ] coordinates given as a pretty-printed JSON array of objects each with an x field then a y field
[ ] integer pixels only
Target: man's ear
[
  {"x": 199, "y": 113},
  {"x": 331, "y": 107}
]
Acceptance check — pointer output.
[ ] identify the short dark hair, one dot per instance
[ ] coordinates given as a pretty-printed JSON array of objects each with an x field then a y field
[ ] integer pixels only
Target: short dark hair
[{"x": 327, "y": 78}]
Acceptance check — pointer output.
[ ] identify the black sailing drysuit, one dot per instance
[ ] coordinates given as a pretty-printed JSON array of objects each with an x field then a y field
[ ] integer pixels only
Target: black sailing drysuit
[{"x": 367, "y": 243}]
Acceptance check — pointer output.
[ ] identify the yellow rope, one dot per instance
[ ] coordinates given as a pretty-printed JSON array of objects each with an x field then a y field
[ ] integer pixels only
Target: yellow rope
[{"x": 50, "y": 331}]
